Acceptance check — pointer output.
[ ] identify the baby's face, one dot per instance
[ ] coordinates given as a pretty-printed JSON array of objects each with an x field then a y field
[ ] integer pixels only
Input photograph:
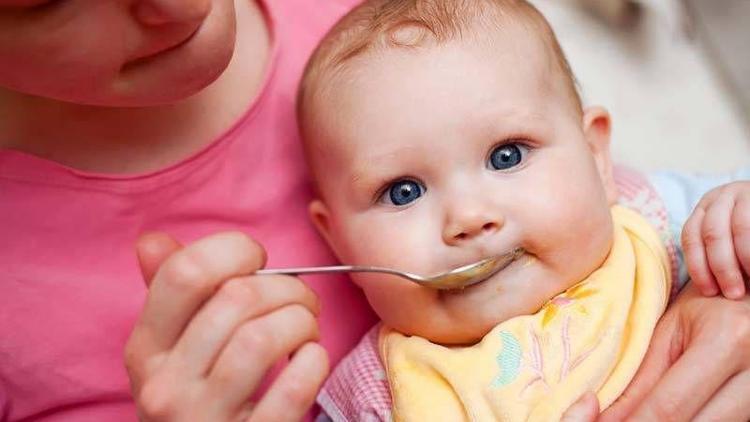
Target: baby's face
[{"x": 432, "y": 159}]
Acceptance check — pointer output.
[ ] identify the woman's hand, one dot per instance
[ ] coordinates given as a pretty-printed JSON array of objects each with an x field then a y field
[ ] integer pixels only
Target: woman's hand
[
  {"x": 209, "y": 332},
  {"x": 697, "y": 367},
  {"x": 586, "y": 409}
]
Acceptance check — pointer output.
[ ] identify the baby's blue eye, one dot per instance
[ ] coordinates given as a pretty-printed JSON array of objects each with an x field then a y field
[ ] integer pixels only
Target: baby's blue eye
[
  {"x": 403, "y": 192},
  {"x": 507, "y": 156}
]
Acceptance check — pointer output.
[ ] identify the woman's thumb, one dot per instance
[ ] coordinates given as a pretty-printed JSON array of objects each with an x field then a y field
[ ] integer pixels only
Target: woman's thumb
[
  {"x": 153, "y": 249},
  {"x": 586, "y": 409}
]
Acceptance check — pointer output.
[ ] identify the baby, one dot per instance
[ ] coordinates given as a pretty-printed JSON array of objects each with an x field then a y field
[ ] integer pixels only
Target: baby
[{"x": 442, "y": 132}]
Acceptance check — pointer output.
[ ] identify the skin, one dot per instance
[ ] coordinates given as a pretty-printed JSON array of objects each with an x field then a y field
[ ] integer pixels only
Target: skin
[
  {"x": 677, "y": 380},
  {"x": 148, "y": 44},
  {"x": 139, "y": 106},
  {"x": 469, "y": 211},
  {"x": 199, "y": 282},
  {"x": 207, "y": 334},
  {"x": 716, "y": 241},
  {"x": 693, "y": 333}
]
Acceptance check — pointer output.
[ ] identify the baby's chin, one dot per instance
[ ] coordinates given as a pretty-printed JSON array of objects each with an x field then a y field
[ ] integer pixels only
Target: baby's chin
[
  {"x": 466, "y": 316},
  {"x": 465, "y": 327},
  {"x": 461, "y": 334},
  {"x": 441, "y": 330}
]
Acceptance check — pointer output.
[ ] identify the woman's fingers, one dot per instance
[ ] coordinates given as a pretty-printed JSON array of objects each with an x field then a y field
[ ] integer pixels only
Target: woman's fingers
[
  {"x": 716, "y": 348},
  {"x": 586, "y": 409},
  {"x": 294, "y": 391},
  {"x": 679, "y": 395},
  {"x": 237, "y": 301},
  {"x": 210, "y": 330},
  {"x": 152, "y": 250},
  {"x": 664, "y": 348},
  {"x": 178, "y": 289},
  {"x": 254, "y": 347},
  {"x": 730, "y": 403},
  {"x": 190, "y": 276}
]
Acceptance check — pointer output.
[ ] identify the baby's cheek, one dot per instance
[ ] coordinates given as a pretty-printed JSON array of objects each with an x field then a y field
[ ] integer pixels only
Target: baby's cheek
[
  {"x": 401, "y": 304},
  {"x": 589, "y": 244},
  {"x": 575, "y": 241},
  {"x": 370, "y": 245},
  {"x": 400, "y": 246}
]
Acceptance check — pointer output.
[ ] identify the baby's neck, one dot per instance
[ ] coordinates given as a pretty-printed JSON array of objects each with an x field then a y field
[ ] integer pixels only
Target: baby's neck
[{"x": 138, "y": 140}]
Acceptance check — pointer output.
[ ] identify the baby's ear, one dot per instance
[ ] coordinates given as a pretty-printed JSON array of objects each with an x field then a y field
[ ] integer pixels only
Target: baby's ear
[
  {"x": 320, "y": 217},
  {"x": 597, "y": 128}
]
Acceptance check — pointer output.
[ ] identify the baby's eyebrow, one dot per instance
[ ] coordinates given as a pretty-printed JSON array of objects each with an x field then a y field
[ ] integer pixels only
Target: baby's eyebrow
[
  {"x": 357, "y": 177},
  {"x": 521, "y": 115},
  {"x": 363, "y": 178},
  {"x": 370, "y": 172},
  {"x": 364, "y": 185},
  {"x": 380, "y": 165}
]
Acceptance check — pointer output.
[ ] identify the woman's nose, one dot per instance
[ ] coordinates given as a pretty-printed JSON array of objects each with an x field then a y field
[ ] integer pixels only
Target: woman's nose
[
  {"x": 469, "y": 222},
  {"x": 164, "y": 12}
]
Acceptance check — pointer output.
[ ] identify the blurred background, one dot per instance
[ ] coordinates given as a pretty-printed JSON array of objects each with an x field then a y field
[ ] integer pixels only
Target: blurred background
[{"x": 675, "y": 75}]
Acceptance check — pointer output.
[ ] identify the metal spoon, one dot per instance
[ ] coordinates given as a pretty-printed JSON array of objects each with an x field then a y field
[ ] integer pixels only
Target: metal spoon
[{"x": 456, "y": 278}]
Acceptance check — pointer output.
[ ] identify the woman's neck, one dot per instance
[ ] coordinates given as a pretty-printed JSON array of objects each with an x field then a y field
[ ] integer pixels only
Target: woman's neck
[{"x": 138, "y": 140}]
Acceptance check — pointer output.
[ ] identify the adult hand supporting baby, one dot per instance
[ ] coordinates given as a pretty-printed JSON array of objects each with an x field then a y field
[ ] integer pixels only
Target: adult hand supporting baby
[
  {"x": 697, "y": 367},
  {"x": 209, "y": 332},
  {"x": 586, "y": 409}
]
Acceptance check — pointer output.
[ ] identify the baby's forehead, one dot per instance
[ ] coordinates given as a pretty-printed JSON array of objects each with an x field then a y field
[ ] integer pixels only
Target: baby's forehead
[
  {"x": 377, "y": 33},
  {"x": 511, "y": 71},
  {"x": 411, "y": 25},
  {"x": 398, "y": 99}
]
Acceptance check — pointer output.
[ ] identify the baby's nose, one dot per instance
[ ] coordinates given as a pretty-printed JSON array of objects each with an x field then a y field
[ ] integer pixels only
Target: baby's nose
[
  {"x": 164, "y": 12},
  {"x": 468, "y": 225}
]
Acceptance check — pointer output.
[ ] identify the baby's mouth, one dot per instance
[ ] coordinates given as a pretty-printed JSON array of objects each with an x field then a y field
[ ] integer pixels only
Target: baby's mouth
[{"x": 478, "y": 272}]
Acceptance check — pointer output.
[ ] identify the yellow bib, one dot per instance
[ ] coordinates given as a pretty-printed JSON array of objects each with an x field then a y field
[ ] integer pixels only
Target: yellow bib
[{"x": 533, "y": 367}]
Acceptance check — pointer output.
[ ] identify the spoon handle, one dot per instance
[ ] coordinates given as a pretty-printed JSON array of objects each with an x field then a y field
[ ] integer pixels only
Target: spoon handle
[{"x": 335, "y": 269}]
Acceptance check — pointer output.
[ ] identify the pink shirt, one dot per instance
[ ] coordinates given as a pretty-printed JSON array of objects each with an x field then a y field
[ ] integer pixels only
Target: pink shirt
[{"x": 70, "y": 287}]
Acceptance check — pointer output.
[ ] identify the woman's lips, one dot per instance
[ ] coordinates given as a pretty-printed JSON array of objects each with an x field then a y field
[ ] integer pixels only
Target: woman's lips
[{"x": 155, "y": 54}]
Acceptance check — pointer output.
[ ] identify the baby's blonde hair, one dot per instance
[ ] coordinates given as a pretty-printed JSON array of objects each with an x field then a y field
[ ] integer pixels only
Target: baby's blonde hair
[{"x": 380, "y": 24}]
